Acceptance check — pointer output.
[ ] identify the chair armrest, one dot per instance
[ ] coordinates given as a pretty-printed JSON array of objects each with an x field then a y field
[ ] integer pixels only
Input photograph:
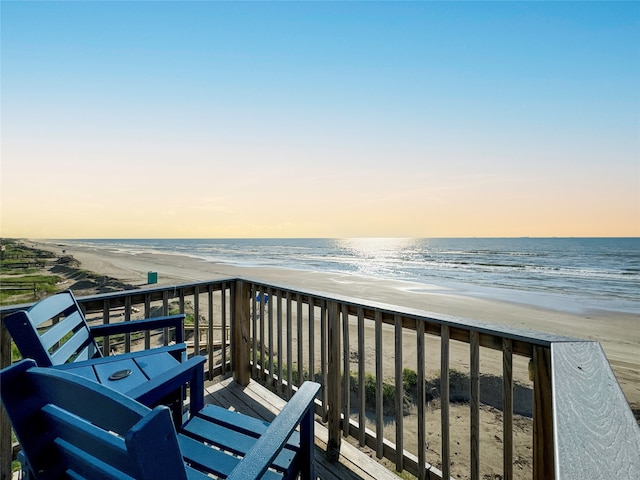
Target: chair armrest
[
  {"x": 273, "y": 440},
  {"x": 176, "y": 321},
  {"x": 177, "y": 351},
  {"x": 157, "y": 388}
]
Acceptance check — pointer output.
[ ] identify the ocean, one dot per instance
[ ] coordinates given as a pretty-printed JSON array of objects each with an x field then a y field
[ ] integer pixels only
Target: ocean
[{"x": 565, "y": 273}]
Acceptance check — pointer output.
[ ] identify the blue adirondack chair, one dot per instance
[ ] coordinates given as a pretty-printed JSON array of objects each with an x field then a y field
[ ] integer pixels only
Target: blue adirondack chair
[
  {"x": 54, "y": 332},
  {"x": 70, "y": 427},
  {"x": 70, "y": 338}
]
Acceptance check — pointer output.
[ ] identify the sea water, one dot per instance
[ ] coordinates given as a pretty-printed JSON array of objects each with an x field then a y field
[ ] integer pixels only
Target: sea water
[{"x": 598, "y": 273}]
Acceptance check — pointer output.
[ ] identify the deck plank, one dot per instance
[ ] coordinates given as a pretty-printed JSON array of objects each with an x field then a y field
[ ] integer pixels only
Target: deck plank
[{"x": 259, "y": 402}]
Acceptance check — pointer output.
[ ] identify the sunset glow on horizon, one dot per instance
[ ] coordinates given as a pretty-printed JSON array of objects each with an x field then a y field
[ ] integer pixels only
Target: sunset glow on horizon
[{"x": 319, "y": 119}]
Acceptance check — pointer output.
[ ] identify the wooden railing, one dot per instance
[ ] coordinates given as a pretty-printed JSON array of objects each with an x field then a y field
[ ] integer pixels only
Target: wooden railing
[{"x": 365, "y": 353}]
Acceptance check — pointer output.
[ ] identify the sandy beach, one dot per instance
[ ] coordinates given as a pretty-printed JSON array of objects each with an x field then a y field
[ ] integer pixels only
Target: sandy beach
[{"x": 617, "y": 332}]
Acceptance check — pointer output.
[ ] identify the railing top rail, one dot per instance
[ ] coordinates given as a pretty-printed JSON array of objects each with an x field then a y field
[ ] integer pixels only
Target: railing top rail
[
  {"x": 595, "y": 432},
  {"x": 99, "y": 298},
  {"x": 505, "y": 331}
]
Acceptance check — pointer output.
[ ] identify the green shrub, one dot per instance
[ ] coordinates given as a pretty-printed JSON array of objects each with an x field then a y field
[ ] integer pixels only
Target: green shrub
[{"x": 409, "y": 380}]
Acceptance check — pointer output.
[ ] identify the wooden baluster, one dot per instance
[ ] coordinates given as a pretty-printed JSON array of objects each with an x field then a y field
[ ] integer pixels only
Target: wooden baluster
[
  {"x": 323, "y": 360},
  {"x": 279, "y": 328},
  {"x": 270, "y": 333},
  {"x": 165, "y": 312},
  {"x": 334, "y": 394},
  {"x": 254, "y": 332},
  {"x": 312, "y": 366},
  {"x": 127, "y": 318},
  {"x": 223, "y": 327},
  {"x": 106, "y": 350},
  {"x": 181, "y": 337},
  {"x": 361, "y": 379},
  {"x": 196, "y": 321},
  {"x": 346, "y": 373},
  {"x": 263, "y": 373},
  {"x": 379, "y": 397},
  {"x": 397, "y": 320},
  {"x": 474, "y": 347},
  {"x": 289, "y": 348},
  {"x": 300, "y": 339},
  {"x": 507, "y": 415},
  {"x": 210, "y": 332},
  {"x": 444, "y": 399},
  {"x": 421, "y": 400}
]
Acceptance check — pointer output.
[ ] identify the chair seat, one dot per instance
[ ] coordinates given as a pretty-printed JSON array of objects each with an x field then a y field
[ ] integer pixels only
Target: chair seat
[{"x": 215, "y": 437}]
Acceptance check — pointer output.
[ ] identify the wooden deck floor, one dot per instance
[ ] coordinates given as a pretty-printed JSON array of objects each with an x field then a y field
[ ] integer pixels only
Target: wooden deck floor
[{"x": 257, "y": 401}]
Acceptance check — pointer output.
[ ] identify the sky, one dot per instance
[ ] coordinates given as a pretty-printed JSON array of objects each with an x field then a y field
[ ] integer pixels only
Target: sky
[{"x": 319, "y": 119}]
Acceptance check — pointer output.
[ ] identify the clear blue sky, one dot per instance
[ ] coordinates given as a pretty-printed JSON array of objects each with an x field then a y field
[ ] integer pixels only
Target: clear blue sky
[{"x": 218, "y": 119}]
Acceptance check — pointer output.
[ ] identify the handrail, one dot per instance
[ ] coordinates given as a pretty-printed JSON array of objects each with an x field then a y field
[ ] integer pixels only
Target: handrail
[
  {"x": 588, "y": 414},
  {"x": 580, "y": 428}
]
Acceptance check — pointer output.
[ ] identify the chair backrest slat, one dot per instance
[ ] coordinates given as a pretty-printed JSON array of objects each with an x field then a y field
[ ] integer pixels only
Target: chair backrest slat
[
  {"x": 52, "y": 306},
  {"x": 83, "y": 466},
  {"x": 95, "y": 441},
  {"x": 67, "y": 352},
  {"x": 53, "y": 331},
  {"x": 87, "y": 353},
  {"x": 60, "y": 330}
]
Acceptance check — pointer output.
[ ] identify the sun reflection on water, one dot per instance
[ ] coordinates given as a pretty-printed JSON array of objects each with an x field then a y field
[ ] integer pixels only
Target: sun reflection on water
[{"x": 378, "y": 256}]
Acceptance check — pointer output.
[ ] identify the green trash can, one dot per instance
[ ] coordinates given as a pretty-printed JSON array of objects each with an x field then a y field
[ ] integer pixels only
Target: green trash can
[{"x": 152, "y": 277}]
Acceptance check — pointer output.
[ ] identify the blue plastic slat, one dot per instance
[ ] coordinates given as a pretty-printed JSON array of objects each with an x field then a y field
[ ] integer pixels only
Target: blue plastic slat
[
  {"x": 87, "y": 353},
  {"x": 50, "y": 307},
  {"x": 91, "y": 439},
  {"x": 61, "y": 329},
  {"x": 133, "y": 379},
  {"x": 212, "y": 460},
  {"x": 193, "y": 474},
  {"x": 171, "y": 349},
  {"x": 231, "y": 440},
  {"x": 72, "y": 346},
  {"x": 85, "y": 371},
  {"x": 242, "y": 423},
  {"x": 85, "y": 466},
  {"x": 156, "y": 365},
  {"x": 269, "y": 444}
]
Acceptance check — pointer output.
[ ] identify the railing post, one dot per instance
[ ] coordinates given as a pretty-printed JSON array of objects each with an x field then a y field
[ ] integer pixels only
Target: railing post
[
  {"x": 543, "y": 461},
  {"x": 333, "y": 381},
  {"x": 241, "y": 333},
  {"x": 5, "y": 426}
]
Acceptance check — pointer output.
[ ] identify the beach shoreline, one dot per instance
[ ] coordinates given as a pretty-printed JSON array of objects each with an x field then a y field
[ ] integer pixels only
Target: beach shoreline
[{"x": 617, "y": 332}]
